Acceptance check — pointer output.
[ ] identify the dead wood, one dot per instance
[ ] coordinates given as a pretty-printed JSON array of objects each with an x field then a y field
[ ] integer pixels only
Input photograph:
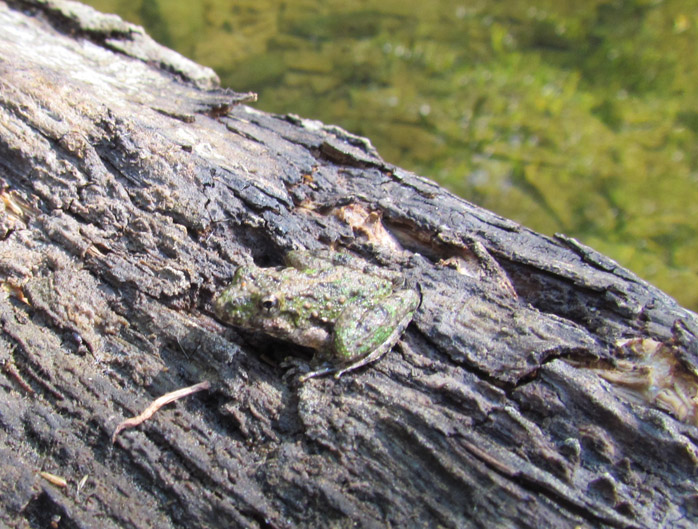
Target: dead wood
[{"x": 133, "y": 185}]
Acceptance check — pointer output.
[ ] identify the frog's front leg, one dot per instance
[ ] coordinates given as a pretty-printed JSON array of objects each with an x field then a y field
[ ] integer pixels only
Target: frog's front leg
[{"x": 365, "y": 332}]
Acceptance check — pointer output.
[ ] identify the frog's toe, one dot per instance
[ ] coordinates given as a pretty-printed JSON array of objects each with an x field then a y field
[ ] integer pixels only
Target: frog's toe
[
  {"x": 318, "y": 373},
  {"x": 293, "y": 366}
]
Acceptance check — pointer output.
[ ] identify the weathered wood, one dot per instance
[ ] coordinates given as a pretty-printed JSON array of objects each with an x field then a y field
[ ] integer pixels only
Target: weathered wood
[{"x": 132, "y": 186}]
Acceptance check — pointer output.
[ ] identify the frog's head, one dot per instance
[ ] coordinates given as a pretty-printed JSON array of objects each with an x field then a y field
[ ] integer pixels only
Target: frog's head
[
  {"x": 242, "y": 303},
  {"x": 257, "y": 299}
]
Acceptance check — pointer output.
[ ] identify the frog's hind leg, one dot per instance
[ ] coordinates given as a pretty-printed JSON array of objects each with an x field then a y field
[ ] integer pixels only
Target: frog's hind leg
[
  {"x": 374, "y": 355},
  {"x": 377, "y": 353},
  {"x": 381, "y": 343}
]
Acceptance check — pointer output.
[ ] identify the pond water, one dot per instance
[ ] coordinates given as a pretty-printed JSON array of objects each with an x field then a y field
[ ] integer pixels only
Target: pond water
[{"x": 574, "y": 117}]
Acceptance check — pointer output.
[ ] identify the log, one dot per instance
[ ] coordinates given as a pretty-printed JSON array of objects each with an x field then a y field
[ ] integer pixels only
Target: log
[{"x": 540, "y": 384}]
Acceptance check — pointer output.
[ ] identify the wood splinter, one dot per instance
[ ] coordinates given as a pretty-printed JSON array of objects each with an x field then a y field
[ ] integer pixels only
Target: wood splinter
[{"x": 157, "y": 404}]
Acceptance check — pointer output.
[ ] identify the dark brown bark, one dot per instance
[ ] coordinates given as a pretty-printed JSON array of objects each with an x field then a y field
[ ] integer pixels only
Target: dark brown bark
[{"x": 132, "y": 187}]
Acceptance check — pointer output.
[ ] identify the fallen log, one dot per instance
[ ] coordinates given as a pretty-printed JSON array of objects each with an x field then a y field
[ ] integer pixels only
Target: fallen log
[{"x": 539, "y": 384}]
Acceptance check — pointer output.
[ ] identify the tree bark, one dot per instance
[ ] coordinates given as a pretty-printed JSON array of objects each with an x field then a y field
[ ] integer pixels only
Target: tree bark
[{"x": 539, "y": 385}]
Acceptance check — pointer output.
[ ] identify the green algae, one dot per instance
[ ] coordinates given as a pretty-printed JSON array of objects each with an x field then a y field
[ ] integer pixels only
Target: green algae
[{"x": 569, "y": 117}]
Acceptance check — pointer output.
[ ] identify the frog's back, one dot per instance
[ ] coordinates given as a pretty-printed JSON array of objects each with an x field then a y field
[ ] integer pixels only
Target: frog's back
[{"x": 322, "y": 294}]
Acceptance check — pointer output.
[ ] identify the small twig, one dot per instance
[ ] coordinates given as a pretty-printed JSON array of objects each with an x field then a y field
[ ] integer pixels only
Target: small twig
[
  {"x": 58, "y": 481},
  {"x": 157, "y": 404},
  {"x": 81, "y": 484}
]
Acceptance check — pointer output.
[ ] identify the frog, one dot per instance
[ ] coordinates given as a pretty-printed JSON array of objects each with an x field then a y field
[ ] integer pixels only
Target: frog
[{"x": 349, "y": 312}]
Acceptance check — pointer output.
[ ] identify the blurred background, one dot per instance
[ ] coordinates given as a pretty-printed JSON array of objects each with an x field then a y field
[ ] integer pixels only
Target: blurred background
[{"x": 567, "y": 116}]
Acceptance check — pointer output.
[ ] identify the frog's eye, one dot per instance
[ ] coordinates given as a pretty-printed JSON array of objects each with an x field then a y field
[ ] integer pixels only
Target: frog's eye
[{"x": 269, "y": 303}]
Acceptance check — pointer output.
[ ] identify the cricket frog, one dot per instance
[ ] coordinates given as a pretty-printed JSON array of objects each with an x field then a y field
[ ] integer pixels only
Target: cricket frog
[{"x": 349, "y": 312}]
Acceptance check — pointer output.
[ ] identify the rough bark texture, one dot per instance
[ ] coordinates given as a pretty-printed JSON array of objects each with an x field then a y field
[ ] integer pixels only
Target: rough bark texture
[{"x": 132, "y": 186}]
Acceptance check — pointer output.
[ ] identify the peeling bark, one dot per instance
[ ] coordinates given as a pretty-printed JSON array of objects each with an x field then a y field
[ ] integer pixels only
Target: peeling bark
[{"x": 132, "y": 186}]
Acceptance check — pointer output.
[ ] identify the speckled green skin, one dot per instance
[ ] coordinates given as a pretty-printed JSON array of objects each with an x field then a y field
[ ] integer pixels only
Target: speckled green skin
[{"x": 349, "y": 312}]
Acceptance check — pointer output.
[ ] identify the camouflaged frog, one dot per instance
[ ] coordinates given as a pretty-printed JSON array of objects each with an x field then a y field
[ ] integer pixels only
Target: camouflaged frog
[{"x": 348, "y": 311}]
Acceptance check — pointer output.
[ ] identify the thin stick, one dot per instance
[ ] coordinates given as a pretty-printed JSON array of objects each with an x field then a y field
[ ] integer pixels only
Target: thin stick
[
  {"x": 58, "y": 481},
  {"x": 157, "y": 404}
]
